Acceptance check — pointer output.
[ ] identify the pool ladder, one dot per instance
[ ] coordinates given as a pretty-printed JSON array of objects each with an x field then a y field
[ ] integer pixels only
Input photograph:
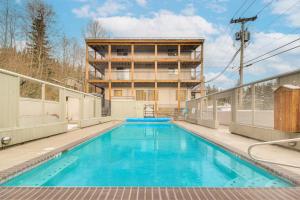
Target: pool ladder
[{"x": 290, "y": 141}]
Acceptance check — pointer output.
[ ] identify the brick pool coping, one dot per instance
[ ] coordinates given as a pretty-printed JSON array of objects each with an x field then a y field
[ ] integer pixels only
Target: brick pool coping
[
  {"x": 142, "y": 192},
  {"x": 134, "y": 193}
]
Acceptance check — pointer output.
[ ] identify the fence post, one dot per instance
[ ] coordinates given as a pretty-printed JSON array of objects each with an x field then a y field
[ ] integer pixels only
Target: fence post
[
  {"x": 253, "y": 103},
  {"x": 214, "y": 99},
  {"x": 81, "y": 108},
  {"x": 234, "y": 102},
  {"x": 43, "y": 103},
  {"x": 62, "y": 101},
  {"x": 201, "y": 108}
]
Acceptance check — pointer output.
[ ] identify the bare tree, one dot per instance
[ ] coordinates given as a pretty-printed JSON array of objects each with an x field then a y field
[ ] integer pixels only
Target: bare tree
[
  {"x": 8, "y": 23},
  {"x": 65, "y": 45},
  {"x": 95, "y": 29}
]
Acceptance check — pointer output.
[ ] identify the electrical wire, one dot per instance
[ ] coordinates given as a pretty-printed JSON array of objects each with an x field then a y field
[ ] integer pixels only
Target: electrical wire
[
  {"x": 273, "y": 50},
  {"x": 250, "y": 5},
  {"x": 241, "y": 6},
  {"x": 295, "y": 47},
  {"x": 224, "y": 70},
  {"x": 266, "y": 5},
  {"x": 281, "y": 14}
]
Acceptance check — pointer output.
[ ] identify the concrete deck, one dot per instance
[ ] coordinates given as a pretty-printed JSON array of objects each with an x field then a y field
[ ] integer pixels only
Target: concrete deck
[
  {"x": 239, "y": 145},
  {"x": 18, "y": 154}
]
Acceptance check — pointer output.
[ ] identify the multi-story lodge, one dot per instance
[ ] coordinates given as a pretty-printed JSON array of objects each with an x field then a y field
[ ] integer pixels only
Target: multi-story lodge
[{"x": 162, "y": 72}]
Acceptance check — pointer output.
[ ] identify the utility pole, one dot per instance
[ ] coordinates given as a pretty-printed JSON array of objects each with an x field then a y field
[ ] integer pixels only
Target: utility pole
[{"x": 243, "y": 36}]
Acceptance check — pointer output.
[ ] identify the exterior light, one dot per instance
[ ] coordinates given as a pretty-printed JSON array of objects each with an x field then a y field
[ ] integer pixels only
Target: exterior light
[{"x": 5, "y": 140}]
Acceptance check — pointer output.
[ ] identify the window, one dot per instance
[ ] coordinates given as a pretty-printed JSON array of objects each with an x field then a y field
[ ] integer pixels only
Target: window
[
  {"x": 151, "y": 95},
  {"x": 122, "y": 52},
  {"x": 182, "y": 95},
  {"x": 145, "y": 95},
  {"x": 172, "y": 52},
  {"x": 140, "y": 95},
  {"x": 117, "y": 93}
]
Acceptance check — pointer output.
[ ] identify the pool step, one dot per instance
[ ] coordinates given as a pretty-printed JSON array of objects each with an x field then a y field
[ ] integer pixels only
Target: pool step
[{"x": 52, "y": 170}]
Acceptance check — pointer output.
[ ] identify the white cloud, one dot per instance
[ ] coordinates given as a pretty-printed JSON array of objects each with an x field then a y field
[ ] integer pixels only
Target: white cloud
[
  {"x": 83, "y": 11},
  {"x": 264, "y": 42},
  {"x": 110, "y": 7},
  {"x": 189, "y": 10},
  {"x": 288, "y": 8},
  {"x": 141, "y": 2},
  {"x": 160, "y": 24},
  {"x": 94, "y": 10},
  {"x": 222, "y": 81},
  {"x": 217, "y": 6}
]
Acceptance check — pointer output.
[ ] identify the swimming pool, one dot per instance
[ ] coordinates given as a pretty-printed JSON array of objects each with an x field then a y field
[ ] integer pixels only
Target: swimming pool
[{"x": 147, "y": 154}]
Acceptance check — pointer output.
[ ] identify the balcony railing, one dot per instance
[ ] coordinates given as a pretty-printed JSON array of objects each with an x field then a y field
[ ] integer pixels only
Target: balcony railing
[
  {"x": 144, "y": 74},
  {"x": 120, "y": 75},
  {"x": 184, "y": 55},
  {"x": 190, "y": 55},
  {"x": 162, "y": 74},
  {"x": 189, "y": 75},
  {"x": 167, "y": 74},
  {"x": 97, "y": 56}
]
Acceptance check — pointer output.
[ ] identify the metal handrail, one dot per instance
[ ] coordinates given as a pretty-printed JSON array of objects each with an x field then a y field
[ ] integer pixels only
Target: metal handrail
[{"x": 272, "y": 142}]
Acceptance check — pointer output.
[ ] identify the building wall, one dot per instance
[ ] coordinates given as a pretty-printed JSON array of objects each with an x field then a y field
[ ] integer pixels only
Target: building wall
[{"x": 166, "y": 95}]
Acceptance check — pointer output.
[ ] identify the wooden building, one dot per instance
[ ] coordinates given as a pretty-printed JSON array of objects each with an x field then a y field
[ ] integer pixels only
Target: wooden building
[{"x": 162, "y": 72}]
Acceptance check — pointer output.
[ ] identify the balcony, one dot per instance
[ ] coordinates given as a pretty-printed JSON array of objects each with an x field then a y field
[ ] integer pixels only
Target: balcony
[
  {"x": 120, "y": 75},
  {"x": 167, "y": 74},
  {"x": 146, "y": 74},
  {"x": 145, "y": 56},
  {"x": 189, "y": 75},
  {"x": 92, "y": 56}
]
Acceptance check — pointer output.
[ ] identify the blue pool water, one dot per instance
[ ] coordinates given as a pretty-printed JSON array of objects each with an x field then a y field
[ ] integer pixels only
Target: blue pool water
[{"x": 147, "y": 154}]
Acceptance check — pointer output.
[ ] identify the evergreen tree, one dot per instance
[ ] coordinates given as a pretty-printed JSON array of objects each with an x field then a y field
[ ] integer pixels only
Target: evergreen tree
[{"x": 41, "y": 16}]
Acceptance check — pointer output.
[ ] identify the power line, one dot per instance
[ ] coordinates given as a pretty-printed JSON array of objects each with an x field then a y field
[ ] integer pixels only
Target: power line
[
  {"x": 266, "y": 5},
  {"x": 281, "y": 14},
  {"x": 273, "y": 50},
  {"x": 236, "y": 12},
  {"x": 295, "y": 47},
  {"x": 250, "y": 5},
  {"x": 284, "y": 36},
  {"x": 224, "y": 70}
]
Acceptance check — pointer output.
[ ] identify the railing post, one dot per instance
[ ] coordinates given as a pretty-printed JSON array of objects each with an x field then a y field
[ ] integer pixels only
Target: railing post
[
  {"x": 234, "y": 102},
  {"x": 43, "y": 103},
  {"x": 253, "y": 103},
  {"x": 62, "y": 101},
  {"x": 214, "y": 99},
  {"x": 81, "y": 108},
  {"x": 201, "y": 108},
  {"x": 87, "y": 69}
]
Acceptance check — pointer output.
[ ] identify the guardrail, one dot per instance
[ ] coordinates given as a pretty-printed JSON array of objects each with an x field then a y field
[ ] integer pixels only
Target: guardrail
[
  {"x": 251, "y": 147},
  {"x": 250, "y": 108}
]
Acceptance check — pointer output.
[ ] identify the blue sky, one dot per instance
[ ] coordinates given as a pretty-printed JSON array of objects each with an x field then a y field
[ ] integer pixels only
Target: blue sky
[{"x": 277, "y": 24}]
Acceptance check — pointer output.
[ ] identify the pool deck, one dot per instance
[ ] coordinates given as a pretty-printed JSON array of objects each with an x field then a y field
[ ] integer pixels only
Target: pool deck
[
  {"x": 239, "y": 145},
  {"x": 25, "y": 156}
]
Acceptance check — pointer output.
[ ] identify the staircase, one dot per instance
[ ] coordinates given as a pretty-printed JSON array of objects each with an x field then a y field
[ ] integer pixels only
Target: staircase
[{"x": 148, "y": 111}]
